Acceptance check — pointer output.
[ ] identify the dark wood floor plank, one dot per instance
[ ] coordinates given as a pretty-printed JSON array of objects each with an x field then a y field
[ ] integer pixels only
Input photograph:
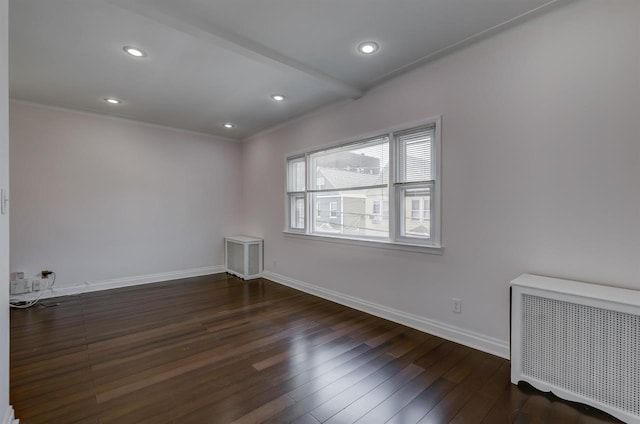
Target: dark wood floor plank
[
  {"x": 164, "y": 372},
  {"x": 448, "y": 407},
  {"x": 237, "y": 388},
  {"x": 306, "y": 419},
  {"x": 445, "y": 357},
  {"x": 507, "y": 405},
  {"x": 401, "y": 398},
  {"x": 318, "y": 391},
  {"x": 373, "y": 398},
  {"x": 265, "y": 411},
  {"x": 216, "y": 349},
  {"x": 374, "y": 373},
  {"x": 484, "y": 398}
]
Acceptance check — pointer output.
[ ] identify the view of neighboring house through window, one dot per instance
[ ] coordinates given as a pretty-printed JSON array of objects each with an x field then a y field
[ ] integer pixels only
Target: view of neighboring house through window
[
  {"x": 420, "y": 209},
  {"x": 333, "y": 210},
  {"x": 353, "y": 178},
  {"x": 355, "y": 191},
  {"x": 415, "y": 210},
  {"x": 376, "y": 210}
]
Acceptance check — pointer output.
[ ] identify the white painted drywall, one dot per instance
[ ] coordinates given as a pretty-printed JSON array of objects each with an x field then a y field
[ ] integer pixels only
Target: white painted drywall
[
  {"x": 99, "y": 198},
  {"x": 5, "y": 410},
  {"x": 541, "y": 170}
]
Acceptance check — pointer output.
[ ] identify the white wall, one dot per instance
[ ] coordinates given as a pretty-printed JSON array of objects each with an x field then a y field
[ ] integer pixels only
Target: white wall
[
  {"x": 98, "y": 198},
  {"x": 5, "y": 409},
  {"x": 541, "y": 170}
]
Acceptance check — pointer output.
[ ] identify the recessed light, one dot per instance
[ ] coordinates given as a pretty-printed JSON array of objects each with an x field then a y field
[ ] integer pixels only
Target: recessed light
[
  {"x": 368, "y": 47},
  {"x": 228, "y": 125},
  {"x": 277, "y": 97},
  {"x": 113, "y": 100},
  {"x": 134, "y": 51}
]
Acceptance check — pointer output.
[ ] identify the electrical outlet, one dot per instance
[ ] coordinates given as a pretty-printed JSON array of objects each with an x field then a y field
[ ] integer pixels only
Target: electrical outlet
[
  {"x": 457, "y": 305},
  {"x": 37, "y": 285},
  {"x": 20, "y": 287}
]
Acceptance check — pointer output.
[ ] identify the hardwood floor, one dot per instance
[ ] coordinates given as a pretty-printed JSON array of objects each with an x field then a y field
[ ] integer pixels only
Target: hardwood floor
[{"x": 216, "y": 349}]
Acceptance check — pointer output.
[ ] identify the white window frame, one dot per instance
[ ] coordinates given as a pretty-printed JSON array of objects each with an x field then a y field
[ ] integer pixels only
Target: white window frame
[
  {"x": 293, "y": 194},
  {"x": 432, "y": 245},
  {"x": 401, "y": 235}
]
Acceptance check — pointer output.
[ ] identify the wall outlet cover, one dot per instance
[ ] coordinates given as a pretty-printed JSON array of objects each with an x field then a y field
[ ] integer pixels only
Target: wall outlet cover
[
  {"x": 20, "y": 287},
  {"x": 457, "y": 305},
  {"x": 37, "y": 285}
]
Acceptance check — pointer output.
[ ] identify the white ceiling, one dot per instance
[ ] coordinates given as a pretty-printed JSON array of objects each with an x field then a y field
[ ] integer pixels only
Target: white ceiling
[{"x": 216, "y": 61}]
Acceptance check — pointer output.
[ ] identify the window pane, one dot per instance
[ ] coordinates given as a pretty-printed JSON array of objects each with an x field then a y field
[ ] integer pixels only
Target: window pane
[
  {"x": 415, "y": 210},
  {"x": 295, "y": 175},
  {"x": 348, "y": 212},
  {"x": 415, "y": 155},
  {"x": 426, "y": 209},
  {"x": 376, "y": 207},
  {"x": 356, "y": 165},
  {"x": 333, "y": 209},
  {"x": 296, "y": 212},
  {"x": 415, "y": 222}
]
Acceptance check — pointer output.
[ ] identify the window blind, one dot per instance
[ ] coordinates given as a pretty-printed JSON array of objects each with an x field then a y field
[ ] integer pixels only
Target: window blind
[{"x": 415, "y": 151}]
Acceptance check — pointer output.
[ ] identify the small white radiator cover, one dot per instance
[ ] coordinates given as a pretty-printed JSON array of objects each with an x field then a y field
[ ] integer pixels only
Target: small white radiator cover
[
  {"x": 580, "y": 341},
  {"x": 243, "y": 256}
]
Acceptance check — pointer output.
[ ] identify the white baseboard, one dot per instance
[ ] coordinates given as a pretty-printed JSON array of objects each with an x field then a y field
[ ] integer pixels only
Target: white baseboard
[
  {"x": 92, "y": 286},
  {"x": 9, "y": 417},
  {"x": 459, "y": 335}
]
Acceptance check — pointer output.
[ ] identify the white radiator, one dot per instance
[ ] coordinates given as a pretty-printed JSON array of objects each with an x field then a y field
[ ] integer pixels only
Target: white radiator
[
  {"x": 243, "y": 256},
  {"x": 580, "y": 341}
]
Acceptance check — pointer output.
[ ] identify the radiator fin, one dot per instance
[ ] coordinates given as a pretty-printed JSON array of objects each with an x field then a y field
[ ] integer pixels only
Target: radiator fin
[{"x": 583, "y": 349}]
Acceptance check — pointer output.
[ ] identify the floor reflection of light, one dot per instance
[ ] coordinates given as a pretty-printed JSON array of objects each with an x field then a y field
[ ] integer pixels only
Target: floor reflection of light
[
  {"x": 299, "y": 359},
  {"x": 312, "y": 360}
]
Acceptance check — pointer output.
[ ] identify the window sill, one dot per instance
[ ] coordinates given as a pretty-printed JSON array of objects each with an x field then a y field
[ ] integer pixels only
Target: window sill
[{"x": 430, "y": 250}]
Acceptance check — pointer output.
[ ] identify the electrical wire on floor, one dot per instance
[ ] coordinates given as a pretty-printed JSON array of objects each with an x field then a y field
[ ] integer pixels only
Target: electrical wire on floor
[{"x": 24, "y": 304}]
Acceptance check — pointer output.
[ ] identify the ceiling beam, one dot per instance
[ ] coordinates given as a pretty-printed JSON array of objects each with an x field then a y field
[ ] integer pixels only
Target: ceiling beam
[{"x": 220, "y": 37}]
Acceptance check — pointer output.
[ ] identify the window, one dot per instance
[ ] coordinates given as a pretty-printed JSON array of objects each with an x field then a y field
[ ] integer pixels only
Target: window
[
  {"x": 333, "y": 209},
  {"x": 382, "y": 189},
  {"x": 420, "y": 209},
  {"x": 376, "y": 207},
  {"x": 296, "y": 185},
  {"x": 415, "y": 210},
  {"x": 417, "y": 224},
  {"x": 415, "y": 184},
  {"x": 350, "y": 175}
]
